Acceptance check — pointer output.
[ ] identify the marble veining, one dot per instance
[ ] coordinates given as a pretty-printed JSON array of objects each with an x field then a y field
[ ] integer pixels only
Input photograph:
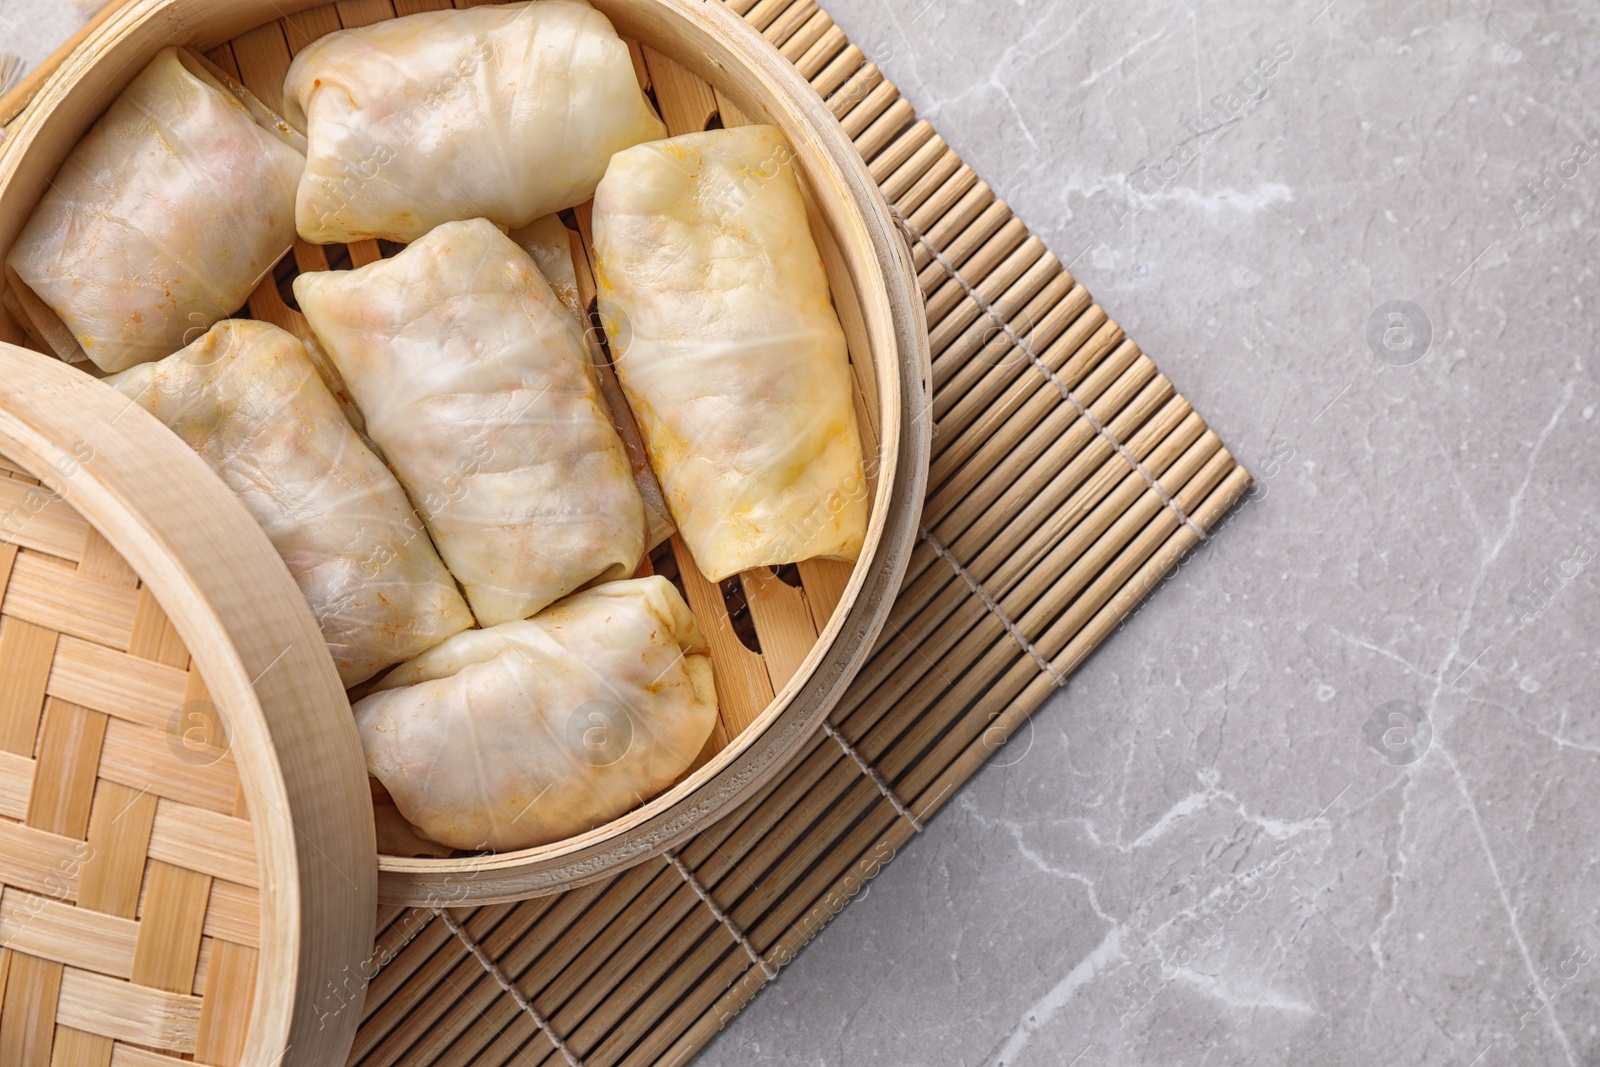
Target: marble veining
[{"x": 1328, "y": 798}]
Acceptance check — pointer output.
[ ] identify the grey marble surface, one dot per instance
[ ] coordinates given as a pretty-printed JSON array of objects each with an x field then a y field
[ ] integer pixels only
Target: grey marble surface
[{"x": 1216, "y": 846}]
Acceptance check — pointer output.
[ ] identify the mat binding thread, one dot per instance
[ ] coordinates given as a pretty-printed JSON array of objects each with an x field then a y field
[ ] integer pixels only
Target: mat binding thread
[
  {"x": 915, "y": 237},
  {"x": 721, "y": 916},
  {"x": 994, "y": 608},
  {"x": 872, "y": 773},
  {"x": 500, "y": 976}
]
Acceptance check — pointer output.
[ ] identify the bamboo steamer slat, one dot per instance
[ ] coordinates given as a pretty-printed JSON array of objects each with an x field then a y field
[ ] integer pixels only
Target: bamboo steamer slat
[
  {"x": 181, "y": 868},
  {"x": 702, "y": 64}
]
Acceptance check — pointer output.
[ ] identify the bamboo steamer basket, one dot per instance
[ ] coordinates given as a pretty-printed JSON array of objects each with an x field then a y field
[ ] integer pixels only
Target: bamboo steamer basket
[
  {"x": 703, "y": 65},
  {"x": 185, "y": 865}
]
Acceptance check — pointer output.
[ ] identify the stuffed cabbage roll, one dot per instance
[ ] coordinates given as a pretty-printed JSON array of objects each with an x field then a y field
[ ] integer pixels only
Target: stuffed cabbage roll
[
  {"x": 509, "y": 112},
  {"x": 732, "y": 357},
  {"x": 175, "y": 204},
  {"x": 248, "y": 400},
  {"x": 549, "y": 243},
  {"x": 474, "y": 381},
  {"x": 335, "y": 382},
  {"x": 533, "y": 731}
]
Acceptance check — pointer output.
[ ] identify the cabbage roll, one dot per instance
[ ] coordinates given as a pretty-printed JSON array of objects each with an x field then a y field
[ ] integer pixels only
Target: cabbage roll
[
  {"x": 713, "y": 294},
  {"x": 335, "y": 382},
  {"x": 549, "y": 242},
  {"x": 246, "y": 397},
  {"x": 509, "y": 112},
  {"x": 533, "y": 731},
  {"x": 475, "y": 383},
  {"x": 161, "y": 221}
]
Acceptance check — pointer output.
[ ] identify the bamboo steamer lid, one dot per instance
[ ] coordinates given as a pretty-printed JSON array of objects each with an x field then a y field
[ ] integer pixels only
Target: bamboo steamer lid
[{"x": 186, "y": 847}]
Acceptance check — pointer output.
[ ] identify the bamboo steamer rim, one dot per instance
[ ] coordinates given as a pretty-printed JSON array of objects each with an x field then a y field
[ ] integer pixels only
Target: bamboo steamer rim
[
  {"x": 719, "y": 46},
  {"x": 223, "y": 588}
]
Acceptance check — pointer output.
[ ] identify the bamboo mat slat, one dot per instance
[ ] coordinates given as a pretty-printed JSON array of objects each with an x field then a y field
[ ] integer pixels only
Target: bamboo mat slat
[{"x": 1068, "y": 478}]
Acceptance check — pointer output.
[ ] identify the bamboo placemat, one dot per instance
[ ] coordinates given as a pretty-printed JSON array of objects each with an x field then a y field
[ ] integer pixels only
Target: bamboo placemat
[{"x": 1068, "y": 478}]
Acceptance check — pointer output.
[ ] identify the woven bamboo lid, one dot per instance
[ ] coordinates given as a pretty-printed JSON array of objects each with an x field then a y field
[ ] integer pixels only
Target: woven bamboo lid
[{"x": 183, "y": 872}]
